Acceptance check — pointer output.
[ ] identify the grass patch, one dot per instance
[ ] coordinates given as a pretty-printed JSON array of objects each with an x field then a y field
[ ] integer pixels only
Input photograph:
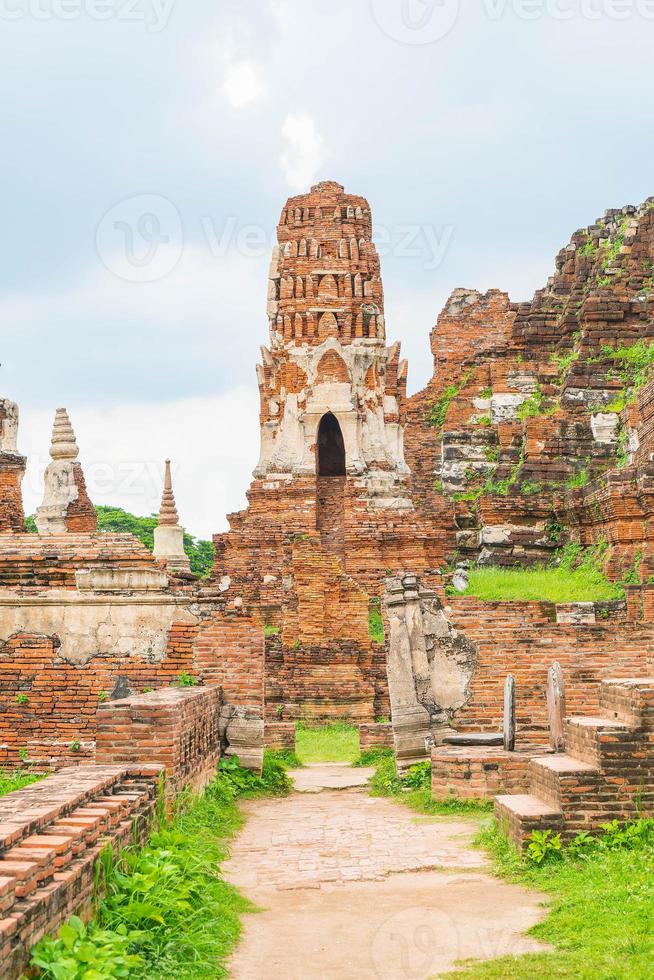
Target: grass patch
[
  {"x": 337, "y": 742},
  {"x": 375, "y": 621},
  {"x": 413, "y": 789},
  {"x": 583, "y": 584},
  {"x": 166, "y": 912},
  {"x": 372, "y": 757},
  {"x": 11, "y": 780},
  {"x": 287, "y": 758},
  {"x": 602, "y": 918}
]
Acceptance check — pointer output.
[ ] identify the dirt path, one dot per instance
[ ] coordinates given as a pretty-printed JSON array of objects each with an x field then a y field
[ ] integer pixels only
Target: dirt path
[{"x": 354, "y": 887}]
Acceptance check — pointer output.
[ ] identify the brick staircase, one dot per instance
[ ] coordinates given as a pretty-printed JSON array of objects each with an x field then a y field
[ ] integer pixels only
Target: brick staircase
[
  {"x": 606, "y": 773},
  {"x": 51, "y": 834}
]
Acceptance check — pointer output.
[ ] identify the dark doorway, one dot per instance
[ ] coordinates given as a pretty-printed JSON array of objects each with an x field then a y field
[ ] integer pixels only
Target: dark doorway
[{"x": 331, "y": 448}]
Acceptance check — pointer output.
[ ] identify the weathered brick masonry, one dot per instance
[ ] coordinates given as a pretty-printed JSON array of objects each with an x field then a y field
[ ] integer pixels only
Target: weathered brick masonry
[
  {"x": 524, "y": 639},
  {"x": 175, "y": 728},
  {"x": 51, "y": 835},
  {"x": 527, "y": 396},
  {"x": 606, "y": 772}
]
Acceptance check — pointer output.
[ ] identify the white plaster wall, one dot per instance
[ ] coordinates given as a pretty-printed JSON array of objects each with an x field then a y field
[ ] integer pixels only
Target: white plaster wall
[{"x": 88, "y": 627}]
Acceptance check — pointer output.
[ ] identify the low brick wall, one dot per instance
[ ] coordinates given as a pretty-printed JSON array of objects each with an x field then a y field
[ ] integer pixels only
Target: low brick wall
[
  {"x": 478, "y": 772},
  {"x": 280, "y": 735},
  {"x": 376, "y": 736},
  {"x": 51, "y": 834},
  {"x": 176, "y": 728}
]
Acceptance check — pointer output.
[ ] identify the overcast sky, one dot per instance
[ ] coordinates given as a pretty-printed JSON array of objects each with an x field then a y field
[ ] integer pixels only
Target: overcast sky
[{"x": 148, "y": 147}]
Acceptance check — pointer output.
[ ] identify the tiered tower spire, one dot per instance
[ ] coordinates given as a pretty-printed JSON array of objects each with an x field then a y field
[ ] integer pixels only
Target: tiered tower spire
[{"x": 168, "y": 535}]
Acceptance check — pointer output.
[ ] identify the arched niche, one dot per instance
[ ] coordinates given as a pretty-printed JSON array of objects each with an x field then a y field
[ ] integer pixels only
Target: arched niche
[{"x": 330, "y": 447}]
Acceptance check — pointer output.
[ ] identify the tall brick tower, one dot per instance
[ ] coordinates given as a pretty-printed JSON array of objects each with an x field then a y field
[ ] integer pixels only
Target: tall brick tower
[
  {"x": 12, "y": 470},
  {"x": 330, "y": 509},
  {"x": 332, "y": 393}
]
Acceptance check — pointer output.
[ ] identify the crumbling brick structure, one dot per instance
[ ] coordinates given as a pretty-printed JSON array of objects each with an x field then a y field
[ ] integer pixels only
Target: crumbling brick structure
[
  {"x": 333, "y": 402},
  {"x": 606, "y": 772},
  {"x": 531, "y": 399},
  {"x": 12, "y": 470}
]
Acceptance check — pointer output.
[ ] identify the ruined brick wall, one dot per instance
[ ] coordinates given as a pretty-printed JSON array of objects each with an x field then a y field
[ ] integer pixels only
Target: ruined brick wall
[
  {"x": 51, "y": 835},
  {"x": 229, "y": 653},
  {"x": 49, "y": 706},
  {"x": 527, "y": 397},
  {"x": 176, "y": 728},
  {"x": 477, "y": 773},
  {"x": 81, "y": 516},
  {"x": 12, "y": 516},
  {"x": 33, "y": 561},
  {"x": 12, "y": 470},
  {"x": 523, "y": 639}
]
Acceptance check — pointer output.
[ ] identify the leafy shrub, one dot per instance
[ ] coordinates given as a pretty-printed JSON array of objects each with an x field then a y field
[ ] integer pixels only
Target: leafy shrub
[
  {"x": 81, "y": 952},
  {"x": 245, "y": 782},
  {"x": 544, "y": 845},
  {"x": 187, "y": 680}
]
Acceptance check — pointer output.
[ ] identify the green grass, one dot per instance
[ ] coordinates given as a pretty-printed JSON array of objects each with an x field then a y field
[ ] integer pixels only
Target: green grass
[
  {"x": 583, "y": 584},
  {"x": 11, "y": 780},
  {"x": 288, "y": 758},
  {"x": 336, "y": 742},
  {"x": 601, "y": 922},
  {"x": 413, "y": 789},
  {"x": 166, "y": 911},
  {"x": 375, "y": 621}
]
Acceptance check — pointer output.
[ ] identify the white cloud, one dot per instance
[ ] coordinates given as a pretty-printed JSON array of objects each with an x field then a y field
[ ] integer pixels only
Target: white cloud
[
  {"x": 213, "y": 443},
  {"x": 303, "y": 153},
  {"x": 242, "y": 83}
]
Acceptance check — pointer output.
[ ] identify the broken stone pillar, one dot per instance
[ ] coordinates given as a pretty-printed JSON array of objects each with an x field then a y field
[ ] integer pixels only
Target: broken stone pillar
[
  {"x": 66, "y": 505},
  {"x": 242, "y": 734},
  {"x": 168, "y": 535},
  {"x": 556, "y": 706},
  {"x": 429, "y": 668},
  {"x": 508, "y": 728},
  {"x": 12, "y": 470}
]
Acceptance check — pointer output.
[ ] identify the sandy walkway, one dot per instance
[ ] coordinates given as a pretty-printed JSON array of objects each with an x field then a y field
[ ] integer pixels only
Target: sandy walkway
[{"x": 355, "y": 887}]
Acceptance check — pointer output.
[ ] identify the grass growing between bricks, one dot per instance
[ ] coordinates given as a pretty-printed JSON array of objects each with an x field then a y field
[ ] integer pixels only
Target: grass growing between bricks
[
  {"x": 165, "y": 910},
  {"x": 11, "y": 780},
  {"x": 601, "y": 923},
  {"x": 336, "y": 742},
  {"x": 413, "y": 788},
  {"x": 583, "y": 584}
]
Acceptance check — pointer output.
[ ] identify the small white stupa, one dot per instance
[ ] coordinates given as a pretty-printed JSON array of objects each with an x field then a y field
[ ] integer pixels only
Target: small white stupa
[{"x": 168, "y": 535}]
